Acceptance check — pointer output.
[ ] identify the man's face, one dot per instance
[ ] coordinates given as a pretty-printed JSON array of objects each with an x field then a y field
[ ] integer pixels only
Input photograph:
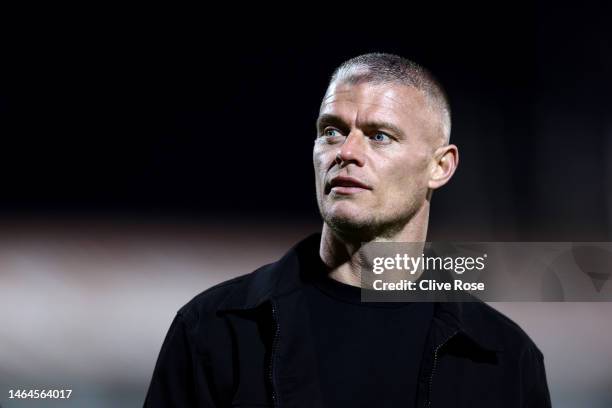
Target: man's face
[{"x": 373, "y": 155}]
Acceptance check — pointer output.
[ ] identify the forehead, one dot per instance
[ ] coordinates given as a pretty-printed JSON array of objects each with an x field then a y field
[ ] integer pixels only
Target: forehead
[{"x": 367, "y": 101}]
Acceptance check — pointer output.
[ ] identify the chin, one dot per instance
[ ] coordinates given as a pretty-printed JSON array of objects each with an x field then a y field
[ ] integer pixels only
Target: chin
[
  {"x": 350, "y": 222},
  {"x": 356, "y": 223},
  {"x": 347, "y": 212}
]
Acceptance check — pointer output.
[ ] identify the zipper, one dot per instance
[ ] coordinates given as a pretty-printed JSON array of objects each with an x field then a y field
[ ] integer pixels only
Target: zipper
[
  {"x": 274, "y": 347},
  {"x": 435, "y": 362}
]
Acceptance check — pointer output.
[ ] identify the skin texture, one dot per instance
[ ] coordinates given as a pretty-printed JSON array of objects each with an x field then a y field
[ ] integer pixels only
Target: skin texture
[{"x": 388, "y": 138}]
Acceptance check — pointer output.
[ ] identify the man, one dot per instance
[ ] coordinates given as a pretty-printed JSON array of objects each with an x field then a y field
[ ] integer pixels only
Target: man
[{"x": 295, "y": 333}]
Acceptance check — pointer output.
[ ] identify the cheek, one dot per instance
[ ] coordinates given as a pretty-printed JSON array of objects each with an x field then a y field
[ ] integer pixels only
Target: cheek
[
  {"x": 321, "y": 161},
  {"x": 407, "y": 176}
]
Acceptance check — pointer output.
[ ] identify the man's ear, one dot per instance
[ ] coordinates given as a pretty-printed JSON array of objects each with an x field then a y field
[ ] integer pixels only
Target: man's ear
[{"x": 446, "y": 160}]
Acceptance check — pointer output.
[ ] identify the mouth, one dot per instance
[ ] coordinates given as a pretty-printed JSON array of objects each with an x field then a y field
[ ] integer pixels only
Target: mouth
[{"x": 346, "y": 186}]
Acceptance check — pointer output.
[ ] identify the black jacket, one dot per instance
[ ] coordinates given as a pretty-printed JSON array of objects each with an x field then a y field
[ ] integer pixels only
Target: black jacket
[{"x": 243, "y": 343}]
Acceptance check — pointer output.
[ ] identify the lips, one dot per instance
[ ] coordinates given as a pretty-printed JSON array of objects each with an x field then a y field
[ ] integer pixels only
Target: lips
[{"x": 346, "y": 185}]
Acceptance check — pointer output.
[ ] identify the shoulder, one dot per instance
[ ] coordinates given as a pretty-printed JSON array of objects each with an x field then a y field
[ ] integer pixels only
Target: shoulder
[
  {"x": 200, "y": 323},
  {"x": 208, "y": 302},
  {"x": 500, "y": 329}
]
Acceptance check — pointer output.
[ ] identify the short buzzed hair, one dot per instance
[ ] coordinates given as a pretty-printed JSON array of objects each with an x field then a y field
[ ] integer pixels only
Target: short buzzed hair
[{"x": 381, "y": 68}]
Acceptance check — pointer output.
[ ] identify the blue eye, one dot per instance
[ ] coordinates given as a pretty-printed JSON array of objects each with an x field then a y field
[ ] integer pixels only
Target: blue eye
[
  {"x": 331, "y": 132},
  {"x": 380, "y": 137}
]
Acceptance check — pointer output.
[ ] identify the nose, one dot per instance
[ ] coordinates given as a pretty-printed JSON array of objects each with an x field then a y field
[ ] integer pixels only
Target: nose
[{"x": 352, "y": 151}]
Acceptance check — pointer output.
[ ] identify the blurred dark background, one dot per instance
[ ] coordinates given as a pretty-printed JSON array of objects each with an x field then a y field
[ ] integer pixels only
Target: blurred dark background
[{"x": 158, "y": 116}]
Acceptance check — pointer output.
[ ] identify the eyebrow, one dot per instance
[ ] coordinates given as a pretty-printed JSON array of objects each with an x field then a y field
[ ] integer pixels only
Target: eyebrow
[
  {"x": 329, "y": 119},
  {"x": 382, "y": 125},
  {"x": 333, "y": 120}
]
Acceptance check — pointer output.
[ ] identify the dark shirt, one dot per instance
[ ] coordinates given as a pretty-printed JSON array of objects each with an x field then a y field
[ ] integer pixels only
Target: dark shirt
[
  {"x": 250, "y": 342},
  {"x": 368, "y": 354}
]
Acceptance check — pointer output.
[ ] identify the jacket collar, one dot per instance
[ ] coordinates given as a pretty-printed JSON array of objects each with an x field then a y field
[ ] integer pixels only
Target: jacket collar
[{"x": 287, "y": 275}]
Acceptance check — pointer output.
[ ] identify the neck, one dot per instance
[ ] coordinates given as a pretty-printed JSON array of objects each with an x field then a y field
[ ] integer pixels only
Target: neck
[{"x": 341, "y": 254}]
